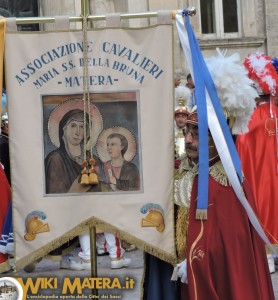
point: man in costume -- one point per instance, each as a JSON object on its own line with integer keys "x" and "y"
{"x": 221, "y": 254}
{"x": 224, "y": 256}
{"x": 258, "y": 147}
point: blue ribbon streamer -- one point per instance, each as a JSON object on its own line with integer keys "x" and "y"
{"x": 204, "y": 81}
{"x": 200, "y": 93}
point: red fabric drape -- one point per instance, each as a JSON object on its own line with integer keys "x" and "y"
{"x": 226, "y": 258}
{"x": 5, "y": 196}
{"x": 257, "y": 150}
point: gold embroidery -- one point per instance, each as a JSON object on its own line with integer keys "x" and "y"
{"x": 181, "y": 231}
{"x": 196, "y": 254}
{"x": 183, "y": 183}
{"x": 270, "y": 126}
{"x": 218, "y": 173}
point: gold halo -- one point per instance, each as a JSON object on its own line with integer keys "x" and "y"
{"x": 70, "y": 104}
{"x": 102, "y": 139}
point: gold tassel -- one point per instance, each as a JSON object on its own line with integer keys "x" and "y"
{"x": 201, "y": 214}
{"x": 84, "y": 172}
{"x": 93, "y": 179}
{"x": 85, "y": 179}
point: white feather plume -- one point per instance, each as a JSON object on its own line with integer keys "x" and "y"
{"x": 182, "y": 92}
{"x": 234, "y": 88}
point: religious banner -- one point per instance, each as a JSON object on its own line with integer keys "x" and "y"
{"x": 91, "y": 137}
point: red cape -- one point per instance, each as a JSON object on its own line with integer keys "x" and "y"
{"x": 257, "y": 151}
{"x": 226, "y": 259}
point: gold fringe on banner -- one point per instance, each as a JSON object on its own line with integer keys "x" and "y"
{"x": 101, "y": 226}
{"x": 2, "y": 45}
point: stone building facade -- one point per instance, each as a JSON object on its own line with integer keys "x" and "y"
{"x": 257, "y": 28}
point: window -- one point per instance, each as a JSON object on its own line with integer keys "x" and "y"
{"x": 230, "y": 16}
{"x": 219, "y": 17}
{"x": 208, "y": 16}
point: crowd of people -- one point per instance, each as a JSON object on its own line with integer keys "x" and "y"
{"x": 221, "y": 255}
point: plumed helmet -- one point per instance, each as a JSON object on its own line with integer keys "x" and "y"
{"x": 182, "y": 97}
{"x": 154, "y": 219}
{"x": 182, "y": 109}
{"x": 261, "y": 69}
{"x": 34, "y": 226}
{"x": 236, "y": 93}
{"x": 193, "y": 116}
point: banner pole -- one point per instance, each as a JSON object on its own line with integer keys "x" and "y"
{"x": 84, "y": 7}
{"x": 92, "y": 229}
{"x": 150, "y": 14}
{"x": 93, "y": 254}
